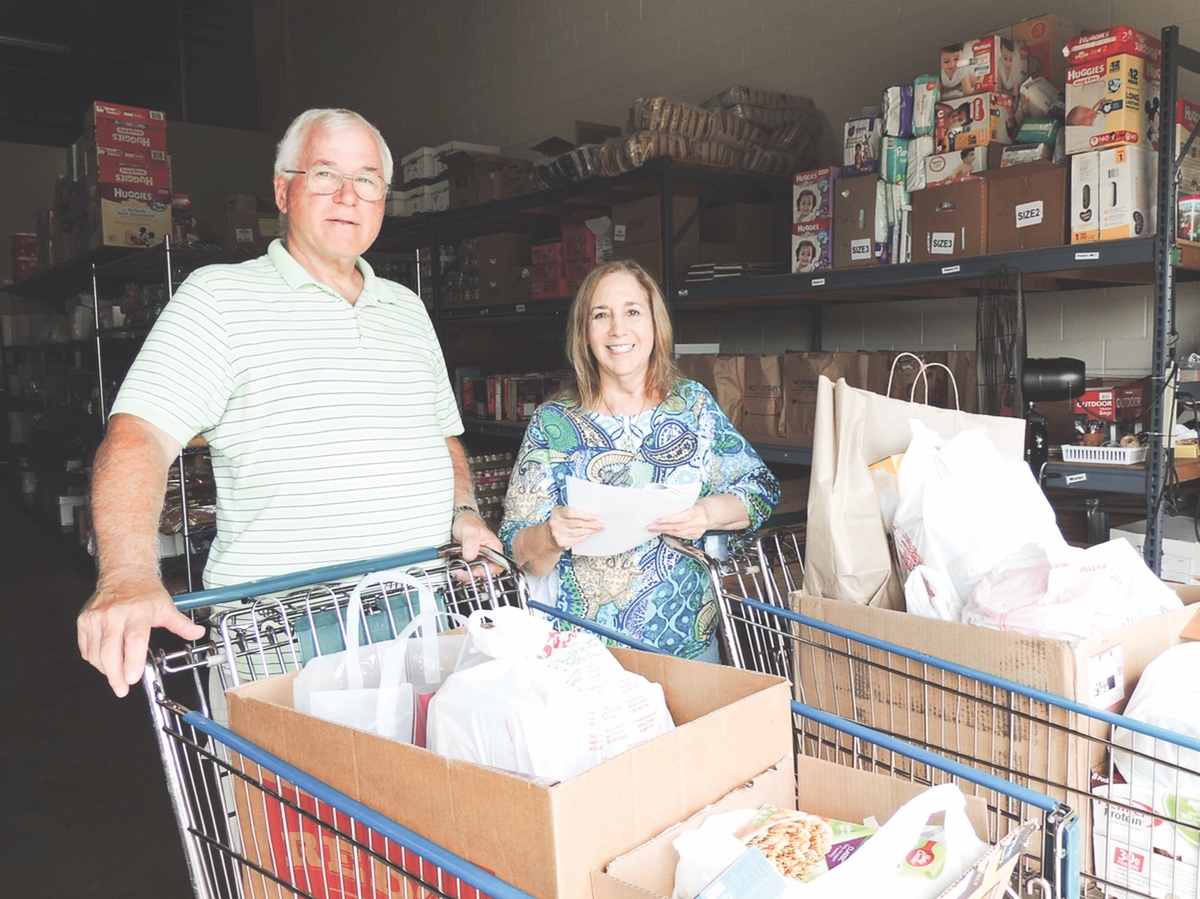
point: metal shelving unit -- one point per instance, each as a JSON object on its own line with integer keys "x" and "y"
{"x": 1152, "y": 260}
{"x": 538, "y": 214}
{"x": 103, "y": 267}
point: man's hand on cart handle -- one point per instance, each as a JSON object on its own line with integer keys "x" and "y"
{"x": 470, "y": 532}
{"x": 114, "y": 627}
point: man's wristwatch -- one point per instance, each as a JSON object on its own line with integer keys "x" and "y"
{"x": 458, "y": 510}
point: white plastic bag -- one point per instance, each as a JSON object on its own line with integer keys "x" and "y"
{"x": 963, "y": 507}
{"x": 545, "y": 703}
{"x": 707, "y": 851}
{"x": 1167, "y": 696}
{"x": 374, "y": 688}
{"x": 1069, "y": 593}
{"x": 874, "y": 869}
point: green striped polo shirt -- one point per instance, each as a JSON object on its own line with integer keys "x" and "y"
{"x": 327, "y": 421}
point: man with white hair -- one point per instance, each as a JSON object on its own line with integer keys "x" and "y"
{"x": 320, "y": 388}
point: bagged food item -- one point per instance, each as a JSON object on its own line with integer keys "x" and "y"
{"x": 542, "y": 702}
{"x": 1167, "y": 696}
{"x": 381, "y": 688}
{"x": 824, "y": 858}
{"x": 1069, "y": 593}
{"x": 963, "y": 507}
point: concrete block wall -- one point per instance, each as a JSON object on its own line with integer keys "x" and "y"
{"x": 514, "y": 72}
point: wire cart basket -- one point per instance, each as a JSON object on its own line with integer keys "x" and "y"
{"x": 1136, "y": 843}
{"x": 254, "y": 826}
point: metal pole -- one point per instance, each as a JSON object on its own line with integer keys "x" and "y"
{"x": 1164, "y": 299}
{"x": 99, "y": 355}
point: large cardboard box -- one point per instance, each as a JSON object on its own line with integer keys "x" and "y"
{"x": 854, "y": 222}
{"x": 739, "y": 223}
{"x": 1027, "y": 207}
{"x": 500, "y": 252}
{"x": 1099, "y": 672}
{"x": 1044, "y": 38}
{"x": 545, "y": 838}
{"x": 820, "y": 787}
{"x": 236, "y": 229}
{"x": 640, "y": 221}
{"x": 649, "y": 255}
{"x": 950, "y": 220}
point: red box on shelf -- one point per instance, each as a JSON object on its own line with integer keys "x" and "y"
{"x": 1112, "y": 404}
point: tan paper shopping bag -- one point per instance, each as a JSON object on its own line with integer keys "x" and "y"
{"x": 847, "y": 551}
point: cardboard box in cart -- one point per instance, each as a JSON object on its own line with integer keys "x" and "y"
{"x": 824, "y": 788}
{"x": 544, "y": 838}
{"x": 1100, "y": 672}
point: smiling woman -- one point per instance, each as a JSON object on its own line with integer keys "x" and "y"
{"x": 629, "y": 419}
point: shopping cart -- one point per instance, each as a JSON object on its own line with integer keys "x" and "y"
{"x": 253, "y": 826}
{"x": 1023, "y": 736}
{"x": 1048, "y": 867}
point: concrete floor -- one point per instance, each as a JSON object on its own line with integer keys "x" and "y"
{"x": 83, "y": 803}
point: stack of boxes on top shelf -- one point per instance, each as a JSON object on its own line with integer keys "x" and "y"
{"x": 118, "y": 186}
{"x": 560, "y": 266}
{"x": 457, "y": 174}
{"x": 912, "y": 185}
{"x": 991, "y": 183}
{"x": 1112, "y": 133}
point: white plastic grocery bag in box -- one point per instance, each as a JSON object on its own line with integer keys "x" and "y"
{"x": 378, "y": 688}
{"x": 964, "y": 505}
{"x": 847, "y": 554}
{"x": 542, "y": 702}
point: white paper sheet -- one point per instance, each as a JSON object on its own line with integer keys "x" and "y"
{"x": 626, "y": 511}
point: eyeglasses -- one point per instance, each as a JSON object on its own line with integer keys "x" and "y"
{"x": 323, "y": 181}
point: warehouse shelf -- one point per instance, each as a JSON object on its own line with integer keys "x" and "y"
{"x": 539, "y": 211}
{"x": 1108, "y": 263}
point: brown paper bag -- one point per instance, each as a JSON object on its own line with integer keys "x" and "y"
{"x": 847, "y": 554}
{"x": 724, "y": 376}
{"x": 938, "y": 388}
{"x": 800, "y": 374}
{"x": 762, "y": 401}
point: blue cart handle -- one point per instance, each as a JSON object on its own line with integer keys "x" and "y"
{"x": 296, "y": 580}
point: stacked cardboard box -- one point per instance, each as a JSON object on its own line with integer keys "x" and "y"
{"x": 118, "y": 188}
{"x": 637, "y": 229}
{"x": 1112, "y": 133}
{"x": 813, "y": 201}
{"x": 560, "y": 266}
{"x": 986, "y": 132}
{"x": 425, "y": 175}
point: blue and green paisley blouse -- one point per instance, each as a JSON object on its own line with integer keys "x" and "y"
{"x": 651, "y": 592}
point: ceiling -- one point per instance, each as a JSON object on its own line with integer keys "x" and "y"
{"x": 193, "y": 60}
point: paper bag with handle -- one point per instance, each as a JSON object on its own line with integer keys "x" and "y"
{"x": 847, "y": 552}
